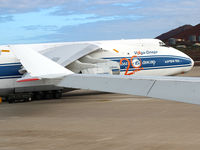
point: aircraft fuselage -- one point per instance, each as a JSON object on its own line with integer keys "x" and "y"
{"x": 133, "y": 57}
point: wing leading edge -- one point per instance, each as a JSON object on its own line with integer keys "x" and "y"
{"x": 182, "y": 89}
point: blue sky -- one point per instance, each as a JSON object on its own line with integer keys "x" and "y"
{"x": 39, "y": 21}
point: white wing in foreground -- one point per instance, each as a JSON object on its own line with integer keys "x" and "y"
{"x": 182, "y": 89}
{"x": 37, "y": 65}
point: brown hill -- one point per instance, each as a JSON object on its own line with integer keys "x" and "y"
{"x": 189, "y": 35}
{"x": 171, "y": 34}
{"x": 194, "y": 31}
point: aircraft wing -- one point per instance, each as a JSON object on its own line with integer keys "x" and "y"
{"x": 69, "y": 52}
{"x": 37, "y": 65}
{"x": 182, "y": 89}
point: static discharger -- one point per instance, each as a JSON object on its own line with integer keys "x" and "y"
{"x": 5, "y": 50}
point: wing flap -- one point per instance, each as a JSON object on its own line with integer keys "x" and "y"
{"x": 38, "y": 65}
{"x": 182, "y": 89}
{"x": 66, "y": 54}
{"x": 186, "y": 91}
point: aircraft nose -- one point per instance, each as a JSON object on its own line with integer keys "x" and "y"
{"x": 191, "y": 64}
{"x": 188, "y": 61}
{"x": 192, "y": 61}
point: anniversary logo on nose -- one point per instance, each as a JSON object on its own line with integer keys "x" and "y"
{"x": 134, "y": 62}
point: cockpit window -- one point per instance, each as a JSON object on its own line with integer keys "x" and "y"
{"x": 162, "y": 44}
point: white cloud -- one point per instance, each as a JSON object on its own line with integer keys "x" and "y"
{"x": 4, "y": 19}
{"x": 93, "y": 19}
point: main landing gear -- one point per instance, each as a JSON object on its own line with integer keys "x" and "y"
{"x": 27, "y": 97}
{"x": 47, "y": 95}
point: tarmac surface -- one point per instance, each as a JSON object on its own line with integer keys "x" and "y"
{"x": 89, "y": 120}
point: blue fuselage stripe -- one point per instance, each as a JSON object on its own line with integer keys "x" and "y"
{"x": 154, "y": 62}
{"x": 10, "y": 70}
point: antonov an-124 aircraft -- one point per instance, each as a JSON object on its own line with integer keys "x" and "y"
{"x": 138, "y": 67}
